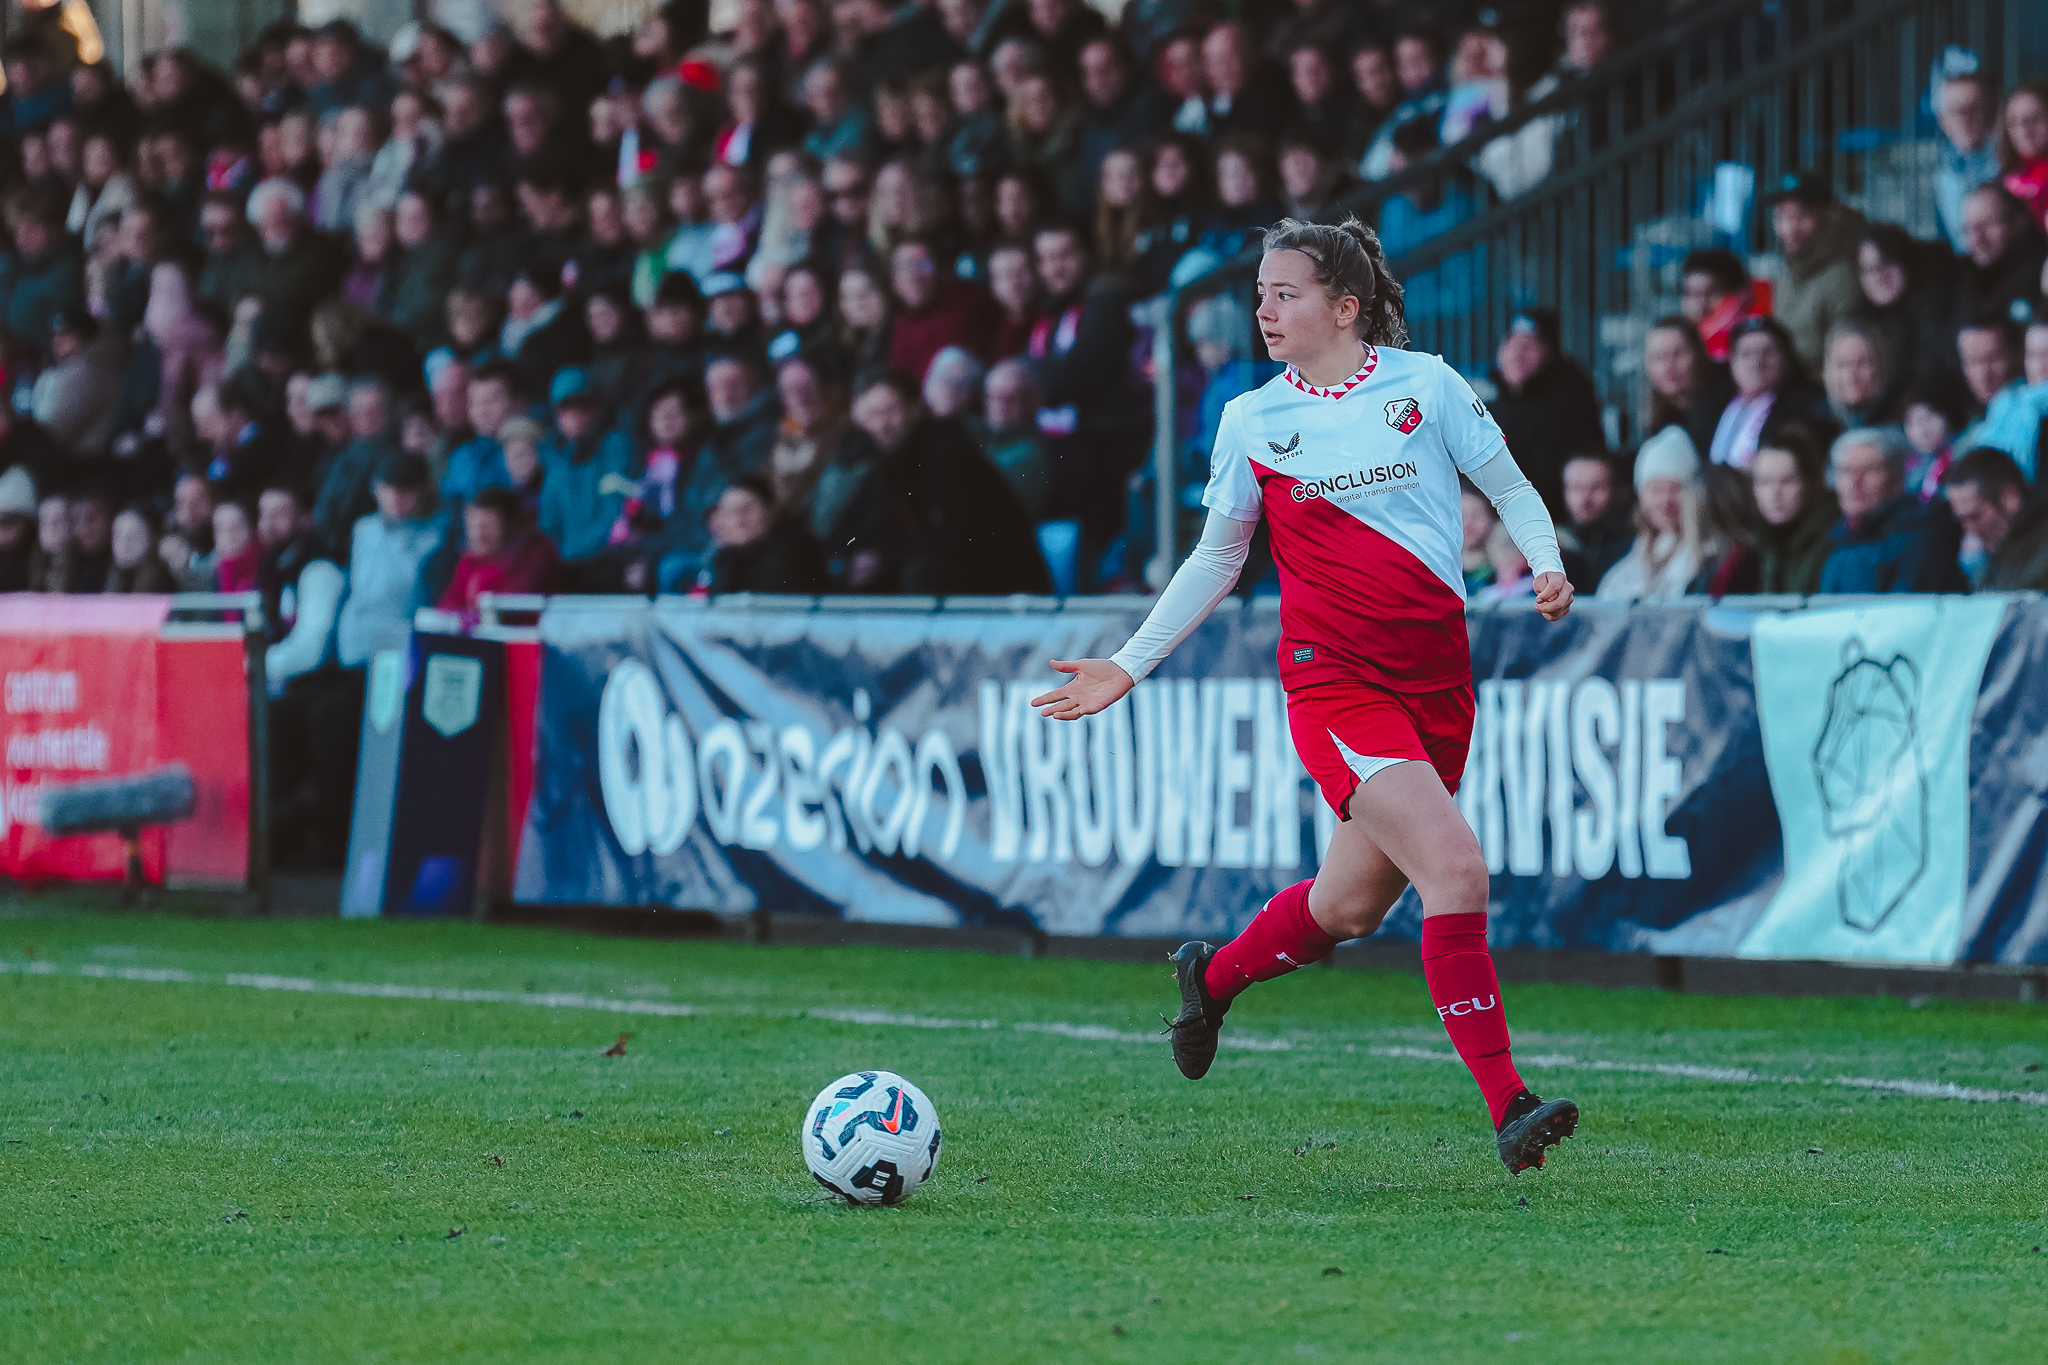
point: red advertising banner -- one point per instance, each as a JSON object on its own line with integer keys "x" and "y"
{"x": 78, "y": 699}
{"x": 202, "y": 721}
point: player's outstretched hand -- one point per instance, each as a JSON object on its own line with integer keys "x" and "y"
{"x": 1553, "y": 595}
{"x": 1096, "y": 683}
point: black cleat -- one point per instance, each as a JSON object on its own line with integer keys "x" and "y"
{"x": 1533, "y": 1123}
{"x": 1201, "y": 1015}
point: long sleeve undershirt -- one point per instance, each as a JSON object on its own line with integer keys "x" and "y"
{"x": 1211, "y": 569}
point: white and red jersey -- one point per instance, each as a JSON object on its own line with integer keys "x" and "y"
{"x": 1359, "y": 487}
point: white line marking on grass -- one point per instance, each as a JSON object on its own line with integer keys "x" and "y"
{"x": 1093, "y": 1033}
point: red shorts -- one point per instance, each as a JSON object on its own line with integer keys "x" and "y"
{"x": 1347, "y": 732}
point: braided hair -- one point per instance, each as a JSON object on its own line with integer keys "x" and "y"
{"x": 1349, "y": 260}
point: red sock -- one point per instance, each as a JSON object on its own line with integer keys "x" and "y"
{"x": 1280, "y": 938}
{"x": 1466, "y": 993}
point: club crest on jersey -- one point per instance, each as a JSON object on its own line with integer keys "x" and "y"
{"x": 1292, "y": 447}
{"x": 1404, "y": 415}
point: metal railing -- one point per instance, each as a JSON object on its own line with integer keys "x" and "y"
{"x": 1836, "y": 87}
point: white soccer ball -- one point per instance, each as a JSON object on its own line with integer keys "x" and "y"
{"x": 871, "y": 1138}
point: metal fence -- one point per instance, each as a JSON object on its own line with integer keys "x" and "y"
{"x": 1669, "y": 147}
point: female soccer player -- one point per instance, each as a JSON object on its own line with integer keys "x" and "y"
{"x": 1353, "y": 457}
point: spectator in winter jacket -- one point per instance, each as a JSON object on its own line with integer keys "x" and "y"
{"x": 2007, "y": 371}
{"x": 588, "y": 471}
{"x": 1080, "y": 353}
{"x": 744, "y": 422}
{"x": 1817, "y": 241}
{"x": 1796, "y": 514}
{"x": 758, "y": 548}
{"x": 301, "y": 265}
{"x": 75, "y": 399}
{"x": 1905, "y": 301}
{"x": 519, "y": 444}
{"x": 1601, "y": 527}
{"x": 136, "y": 568}
{"x": 1992, "y": 502}
{"x": 505, "y": 554}
{"x": 2001, "y": 267}
{"x": 396, "y": 563}
{"x": 497, "y": 392}
{"x": 343, "y": 488}
{"x": 1966, "y": 108}
{"x": 47, "y": 274}
{"x": 1669, "y": 551}
{"x": 1772, "y": 389}
{"x": 2023, "y": 148}
{"x": 302, "y": 587}
{"x": 413, "y": 291}
{"x": 1887, "y": 540}
{"x": 1716, "y": 294}
{"x": 1546, "y": 407}
{"x": 1686, "y": 386}
{"x": 937, "y": 518}
{"x": 934, "y": 310}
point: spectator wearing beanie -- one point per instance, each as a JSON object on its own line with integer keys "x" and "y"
{"x": 1546, "y": 407}
{"x": 1992, "y": 502}
{"x": 1887, "y": 540}
{"x": 1668, "y": 551}
{"x": 396, "y": 561}
{"x": 585, "y": 467}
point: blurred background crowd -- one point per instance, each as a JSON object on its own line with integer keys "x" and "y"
{"x": 846, "y": 297}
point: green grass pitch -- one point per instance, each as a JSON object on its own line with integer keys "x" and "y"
{"x": 213, "y": 1151}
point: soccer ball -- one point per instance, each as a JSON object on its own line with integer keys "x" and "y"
{"x": 871, "y": 1138}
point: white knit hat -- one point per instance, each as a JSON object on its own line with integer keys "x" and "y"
{"x": 1670, "y": 454}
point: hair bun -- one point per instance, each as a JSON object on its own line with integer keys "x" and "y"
{"x": 1349, "y": 260}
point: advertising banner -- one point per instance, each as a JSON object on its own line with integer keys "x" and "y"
{"x": 1640, "y": 779}
{"x": 78, "y": 699}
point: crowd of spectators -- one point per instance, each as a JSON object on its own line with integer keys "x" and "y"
{"x": 1868, "y": 417}
{"x": 849, "y": 299}
{"x": 839, "y": 300}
